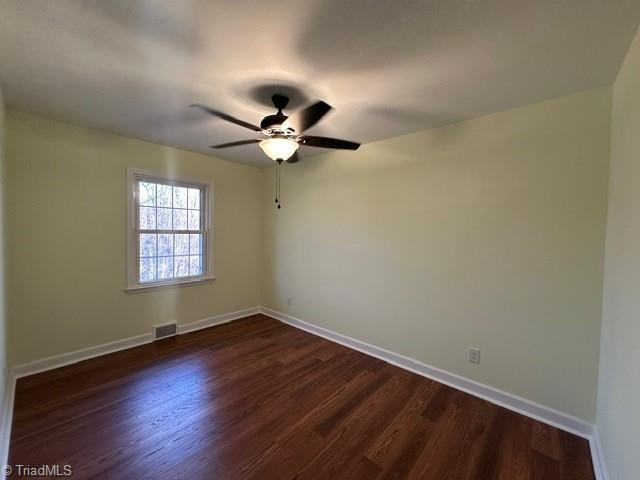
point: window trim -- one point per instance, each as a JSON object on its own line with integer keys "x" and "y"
{"x": 132, "y": 266}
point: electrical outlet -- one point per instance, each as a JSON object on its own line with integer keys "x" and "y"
{"x": 474, "y": 355}
{"x": 289, "y": 301}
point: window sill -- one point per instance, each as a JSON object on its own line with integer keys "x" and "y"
{"x": 163, "y": 286}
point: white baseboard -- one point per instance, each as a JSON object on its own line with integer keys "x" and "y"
{"x": 7, "y": 419}
{"x": 64, "y": 359}
{"x": 518, "y": 404}
{"x": 507, "y": 400}
{"x": 56, "y": 361}
{"x": 561, "y": 420}
{"x": 216, "y": 320}
{"x": 597, "y": 456}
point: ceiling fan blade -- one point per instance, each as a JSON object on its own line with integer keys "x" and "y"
{"x": 294, "y": 158}
{"x": 235, "y": 144}
{"x": 226, "y": 117}
{"x": 326, "y": 142}
{"x": 308, "y": 117}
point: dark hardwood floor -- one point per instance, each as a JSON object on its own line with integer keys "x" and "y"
{"x": 259, "y": 399}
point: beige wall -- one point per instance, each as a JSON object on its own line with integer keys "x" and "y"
{"x": 486, "y": 233}
{"x": 618, "y": 417}
{"x": 66, "y": 200}
{"x": 3, "y": 329}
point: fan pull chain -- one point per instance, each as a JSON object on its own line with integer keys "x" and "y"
{"x": 278, "y": 184}
{"x": 277, "y": 175}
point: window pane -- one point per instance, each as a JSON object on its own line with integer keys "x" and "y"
{"x": 147, "y": 193}
{"x": 195, "y": 242}
{"x": 147, "y": 269}
{"x": 179, "y": 197}
{"x": 165, "y": 244}
{"x": 165, "y": 268}
{"x": 182, "y": 244}
{"x": 165, "y": 193}
{"x": 194, "y": 219}
{"x": 195, "y": 265}
{"x": 179, "y": 219}
{"x": 165, "y": 257}
{"x": 147, "y": 245}
{"x": 147, "y": 218}
{"x": 194, "y": 198}
{"x": 164, "y": 219}
{"x": 181, "y": 265}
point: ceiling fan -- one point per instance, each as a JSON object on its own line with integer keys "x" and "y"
{"x": 284, "y": 133}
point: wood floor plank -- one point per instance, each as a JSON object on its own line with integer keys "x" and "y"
{"x": 465, "y": 464}
{"x": 302, "y": 441}
{"x": 407, "y": 420}
{"x": 403, "y": 457}
{"x": 575, "y": 458}
{"x": 446, "y": 443}
{"x": 341, "y": 456}
{"x": 516, "y": 455}
{"x": 544, "y": 439}
{"x": 257, "y": 399}
{"x": 544, "y": 467}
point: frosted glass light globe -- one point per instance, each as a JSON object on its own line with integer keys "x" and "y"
{"x": 278, "y": 148}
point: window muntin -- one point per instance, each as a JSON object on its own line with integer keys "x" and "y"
{"x": 170, "y": 231}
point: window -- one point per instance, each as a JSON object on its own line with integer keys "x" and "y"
{"x": 169, "y": 231}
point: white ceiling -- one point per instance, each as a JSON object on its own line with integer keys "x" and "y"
{"x": 388, "y": 67}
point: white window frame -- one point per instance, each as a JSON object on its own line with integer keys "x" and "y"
{"x": 133, "y": 262}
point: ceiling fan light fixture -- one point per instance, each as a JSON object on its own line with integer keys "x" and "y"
{"x": 279, "y": 148}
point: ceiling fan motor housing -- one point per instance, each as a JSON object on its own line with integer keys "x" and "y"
{"x": 272, "y": 123}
